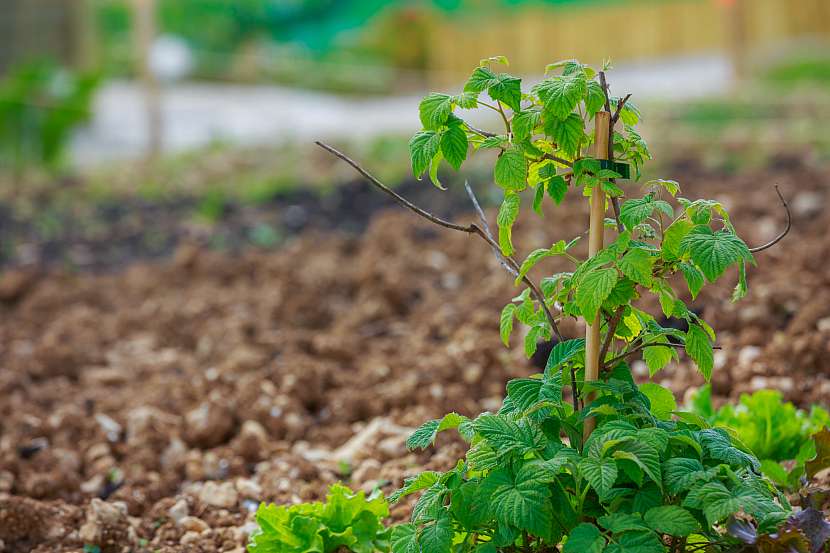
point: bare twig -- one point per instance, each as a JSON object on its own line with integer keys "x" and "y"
{"x": 620, "y": 104}
{"x": 472, "y": 228}
{"x": 485, "y": 134}
{"x": 558, "y": 159}
{"x": 786, "y": 231}
{"x": 615, "y": 202}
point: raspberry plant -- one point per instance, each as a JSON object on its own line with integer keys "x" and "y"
{"x": 618, "y": 468}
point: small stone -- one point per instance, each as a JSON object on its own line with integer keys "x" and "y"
{"x": 248, "y": 488}
{"x": 748, "y": 354}
{"x": 107, "y": 526}
{"x": 193, "y": 524}
{"x": 189, "y": 538}
{"x": 253, "y": 440}
{"x": 178, "y": 511}
{"x": 219, "y": 495}
{"x": 209, "y": 425}
{"x": 823, "y": 325}
{"x": 110, "y": 427}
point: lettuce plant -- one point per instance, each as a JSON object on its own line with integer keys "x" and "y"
{"x": 584, "y": 461}
{"x": 346, "y": 521}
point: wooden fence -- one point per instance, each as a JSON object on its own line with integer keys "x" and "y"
{"x": 532, "y": 37}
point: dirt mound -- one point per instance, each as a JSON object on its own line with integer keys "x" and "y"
{"x": 152, "y": 409}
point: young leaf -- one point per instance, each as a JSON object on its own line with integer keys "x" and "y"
{"x": 567, "y": 133}
{"x": 562, "y": 94}
{"x": 454, "y": 145}
{"x": 511, "y": 169}
{"x": 524, "y": 122}
{"x": 415, "y": 484}
{"x": 434, "y": 110}
{"x": 699, "y": 348}
{"x": 506, "y": 436}
{"x": 595, "y": 98}
{"x": 594, "y": 287}
{"x": 661, "y": 399}
{"x": 713, "y": 252}
{"x": 506, "y": 322}
{"x": 693, "y": 276}
{"x": 636, "y": 264}
{"x": 508, "y": 212}
{"x": 422, "y": 148}
{"x": 481, "y": 79}
{"x": 508, "y": 90}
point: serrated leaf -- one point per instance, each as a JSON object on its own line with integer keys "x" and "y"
{"x": 505, "y": 435}
{"x": 634, "y": 212}
{"x": 661, "y": 399}
{"x": 481, "y": 79}
{"x": 672, "y": 237}
{"x": 645, "y": 456}
{"x": 671, "y": 520}
{"x": 562, "y": 94}
{"x": 510, "y": 171}
{"x": 454, "y": 145}
{"x": 617, "y": 523}
{"x": 557, "y": 188}
{"x": 566, "y": 133}
{"x": 699, "y": 347}
{"x": 657, "y": 357}
{"x": 562, "y": 353}
{"x": 693, "y": 277}
{"x": 405, "y": 538}
{"x": 434, "y": 110}
{"x": 506, "y": 322}
{"x": 637, "y": 264}
{"x": 531, "y": 260}
{"x": 466, "y": 100}
{"x": 585, "y": 538}
{"x": 520, "y": 499}
{"x": 424, "y": 436}
{"x": 422, "y": 149}
{"x": 524, "y": 122}
{"x": 595, "y": 98}
{"x": 681, "y": 473}
{"x": 508, "y": 90}
{"x": 508, "y": 212}
{"x": 415, "y": 484}
{"x": 714, "y": 252}
{"x": 436, "y": 537}
{"x": 641, "y": 542}
{"x": 593, "y": 289}
{"x": 600, "y": 472}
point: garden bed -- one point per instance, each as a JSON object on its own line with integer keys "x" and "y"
{"x": 198, "y": 386}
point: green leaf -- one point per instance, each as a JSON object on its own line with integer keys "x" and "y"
{"x": 511, "y": 169}
{"x": 600, "y": 472}
{"x": 699, "y": 348}
{"x": 506, "y": 436}
{"x": 585, "y": 538}
{"x": 657, "y": 357}
{"x": 595, "y": 98}
{"x": 508, "y": 212}
{"x": 424, "y": 436}
{"x": 466, "y": 100}
{"x": 672, "y": 520}
{"x": 681, "y": 473}
{"x": 562, "y": 353}
{"x": 617, "y": 523}
{"x": 693, "y": 276}
{"x": 405, "y": 538}
{"x": 672, "y": 237}
{"x": 557, "y": 188}
{"x": 641, "y": 542}
{"x": 532, "y": 259}
{"x": 562, "y": 94}
{"x": 567, "y": 133}
{"x": 633, "y": 212}
{"x": 506, "y": 322}
{"x": 508, "y": 90}
{"x": 422, "y": 148}
{"x": 481, "y": 79}
{"x": 593, "y": 289}
{"x": 454, "y": 145}
{"x": 713, "y": 252}
{"x": 661, "y": 399}
{"x": 434, "y": 110}
{"x": 415, "y": 484}
{"x": 436, "y": 537}
{"x": 637, "y": 264}
{"x": 644, "y": 455}
{"x": 520, "y": 499}
{"x": 524, "y": 122}
{"x": 538, "y": 196}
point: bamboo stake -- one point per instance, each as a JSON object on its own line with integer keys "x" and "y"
{"x": 144, "y": 29}
{"x": 602, "y": 124}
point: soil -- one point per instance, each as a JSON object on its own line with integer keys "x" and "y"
{"x": 152, "y": 408}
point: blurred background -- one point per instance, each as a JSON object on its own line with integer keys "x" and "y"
{"x": 225, "y": 97}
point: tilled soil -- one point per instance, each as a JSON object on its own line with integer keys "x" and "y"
{"x": 152, "y": 409}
